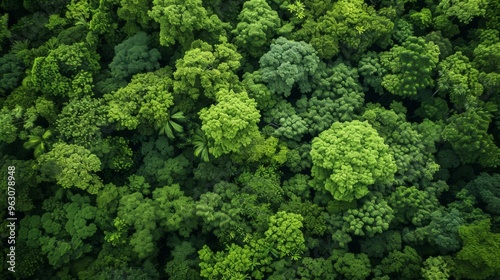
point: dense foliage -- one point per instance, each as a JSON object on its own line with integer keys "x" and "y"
{"x": 251, "y": 139}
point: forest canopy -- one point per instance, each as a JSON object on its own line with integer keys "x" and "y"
{"x": 250, "y": 139}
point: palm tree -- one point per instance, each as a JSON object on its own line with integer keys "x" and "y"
{"x": 200, "y": 143}
{"x": 171, "y": 125}
{"x": 38, "y": 143}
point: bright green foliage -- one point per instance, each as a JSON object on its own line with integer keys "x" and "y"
{"x": 10, "y": 72}
{"x": 231, "y": 124}
{"x": 403, "y": 264}
{"x": 38, "y": 142}
{"x": 422, "y": 19}
{"x": 180, "y": 19}
{"x": 353, "y": 266}
{"x": 145, "y": 100}
{"x": 285, "y": 235}
{"x": 486, "y": 187}
{"x": 133, "y": 56}
{"x": 409, "y": 66}
{"x": 374, "y": 216}
{"x": 480, "y": 254}
{"x": 79, "y": 11}
{"x": 435, "y": 268}
{"x": 287, "y": 64}
{"x": 465, "y": 11}
{"x": 459, "y": 79}
{"x": 352, "y": 24}
{"x": 349, "y": 157}
{"x": 103, "y": 22}
{"x": 257, "y": 25}
{"x": 81, "y": 120}
{"x": 337, "y": 97}
{"x": 8, "y": 120}
{"x": 71, "y": 166}
{"x": 207, "y": 69}
{"x": 468, "y": 135}
{"x": 66, "y": 71}
{"x": 200, "y": 143}
{"x": 358, "y": 24}
{"x": 409, "y": 147}
{"x": 371, "y": 70}
{"x": 412, "y": 205}
{"x": 235, "y": 264}
{"x": 297, "y": 9}
{"x": 171, "y": 125}
{"x": 135, "y": 13}
{"x": 282, "y": 239}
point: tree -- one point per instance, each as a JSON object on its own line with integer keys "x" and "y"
{"x": 404, "y": 264}
{"x": 60, "y": 232}
{"x": 135, "y": 13}
{"x": 206, "y": 69}
{"x": 337, "y": 96}
{"x": 145, "y": 100}
{"x": 66, "y": 71}
{"x": 480, "y": 254}
{"x": 286, "y": 122}
{"x": 486, "y": 187}
{"x": 465, "y": 11}
{"x": 11, "y": 71}
{"x": 435, "y": 268}
{"x": 71, "y": 166}
{"x": 349, "y": 157}
{"x": 179, "y": 20}
{"x": 133, "y": 56}
{"x": 349, "y": 25}
{"x": 374, "y": 216}
{"x": 409, "y": 66}
{"x": 412, "y": 205}
{"x": 38, "y": 142}
{"x": 459, "y": 79}
{"x": 353, "y": 266}
{"x": 257, "y": 25}
{"x": 288, "y": 63}
{"x": 81, "y": 120}
{"x": 468, "y": 135}
{"x": 231, "y": 124}
{"x": 411, "y": 148}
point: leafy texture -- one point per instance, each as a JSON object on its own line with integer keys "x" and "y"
{"x": 349, "y": 157}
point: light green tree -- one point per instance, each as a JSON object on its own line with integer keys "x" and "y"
{"x": 348, "y": 157}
